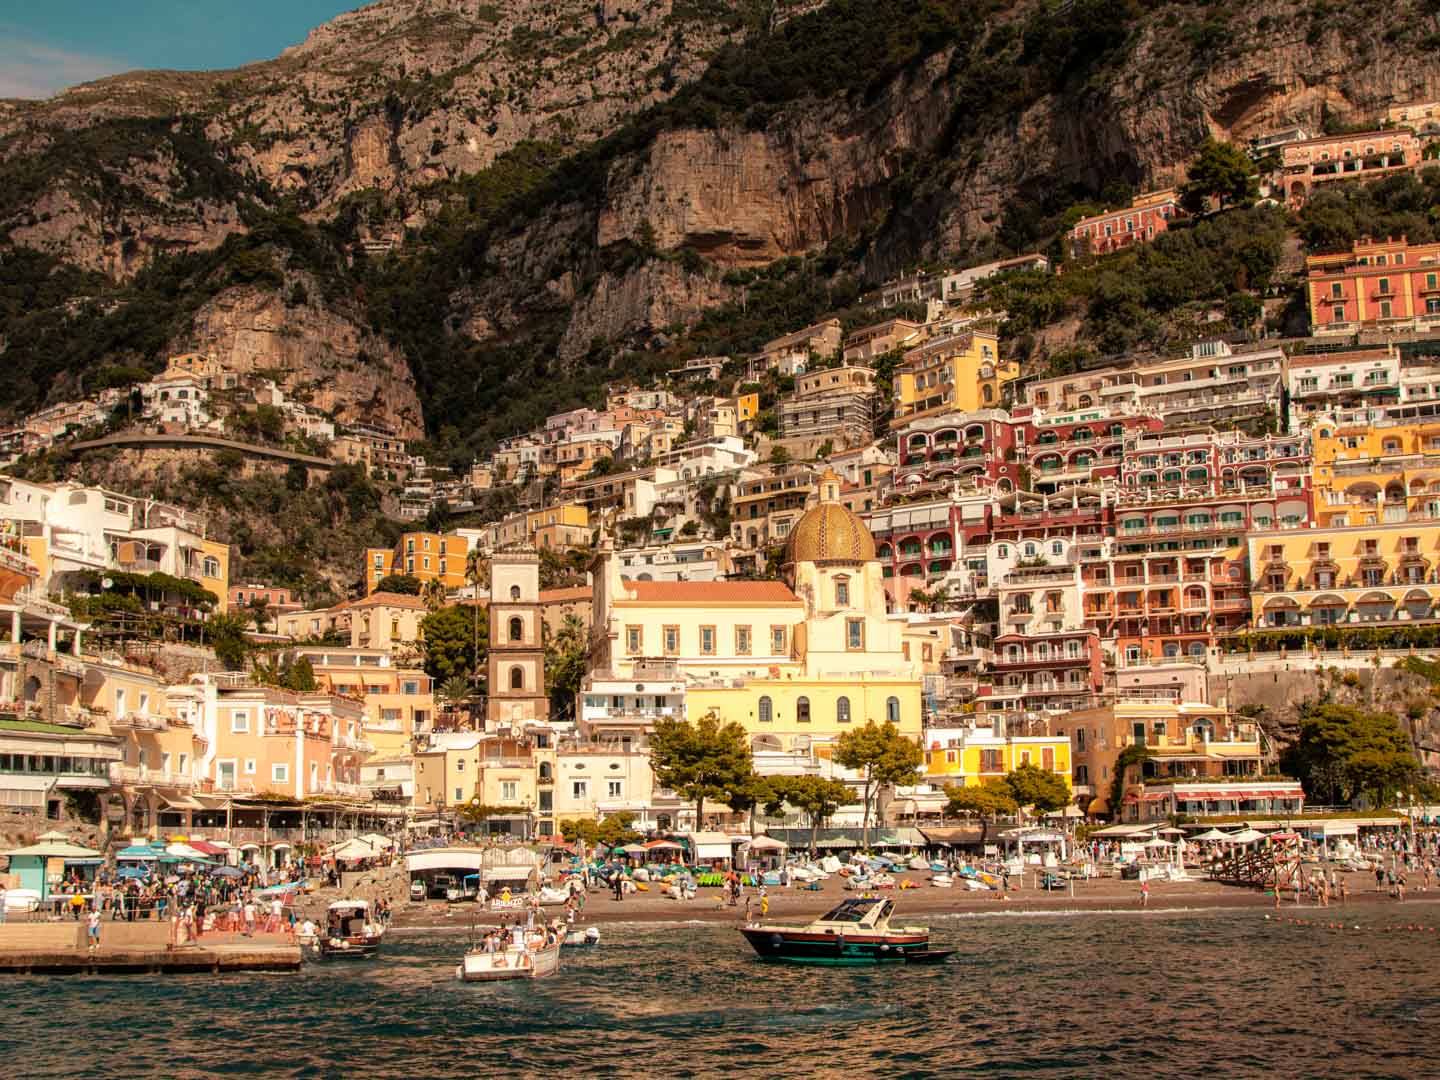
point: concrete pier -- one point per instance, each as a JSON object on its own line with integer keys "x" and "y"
{"x": 59, "y": 948}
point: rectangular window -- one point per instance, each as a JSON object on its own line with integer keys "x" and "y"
{"x": 509, "y": 791}
{"x": 842, "y": 594}
{"x": 239, "y": 722}
{"x": 614, "y": 789}
{"x": 855, "y": 635}
{"x": 778, "y": 637}
{"x": 742, "y": 641}
{"x": 279, "y": 774}
{"x": 671, "y": 635}
{"x": 250, "y": 766}
{"x": 1047, "y": 758}
{"x": 990, "y": 761}
{"x": 579, "y": 789}
{"x": 707, "y": 641}
{"x": 634, "y": 640}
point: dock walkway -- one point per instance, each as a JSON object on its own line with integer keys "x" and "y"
{"x": 58, "y": 948}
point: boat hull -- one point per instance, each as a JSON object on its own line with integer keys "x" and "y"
{"x": 510, "y": 964}
{"x": 808, "y": 947}
{"x": 350, "y": 949}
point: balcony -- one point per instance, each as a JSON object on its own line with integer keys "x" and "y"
{"x": 140, "y": 776}
{"x": 349, "y": 742}
{"x": 132, "y": 721}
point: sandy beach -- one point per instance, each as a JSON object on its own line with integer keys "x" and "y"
{"x": 1101, "y": 894}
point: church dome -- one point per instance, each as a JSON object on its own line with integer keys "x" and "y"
{"x": 829, "y": 533}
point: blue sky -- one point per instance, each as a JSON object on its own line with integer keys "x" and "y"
{"x": 47, "y": 45}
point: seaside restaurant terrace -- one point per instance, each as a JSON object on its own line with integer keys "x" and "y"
{"x": 1157, "y": 800}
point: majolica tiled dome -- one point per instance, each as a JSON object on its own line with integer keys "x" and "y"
{"x": 829, "y": 533}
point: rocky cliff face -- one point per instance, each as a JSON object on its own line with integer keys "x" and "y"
{"x": 360, "y": 123}
{"x": 318, "y": 355}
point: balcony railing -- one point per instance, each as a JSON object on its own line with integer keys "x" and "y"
{"x": 139, "y": 722}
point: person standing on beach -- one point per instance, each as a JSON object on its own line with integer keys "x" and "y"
{"x": 1144, "y": 894}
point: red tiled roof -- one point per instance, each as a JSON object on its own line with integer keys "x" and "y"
{"x": 712, "y": 592}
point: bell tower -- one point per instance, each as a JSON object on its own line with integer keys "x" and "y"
{"x": 516, "y": 663}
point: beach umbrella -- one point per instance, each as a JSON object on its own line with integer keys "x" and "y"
{"x": 1211, "y": 834}
{"x": 55, "y": 835}
{"x": 1246, "y": 836}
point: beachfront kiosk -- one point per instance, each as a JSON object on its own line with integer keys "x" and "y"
{"x": 41, "y": 863}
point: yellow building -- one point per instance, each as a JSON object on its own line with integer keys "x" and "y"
{"x": 1369, "y": 471}
{"x": 966, "y": 757}
{"x": 796, "y": 662}
{"x": 959, "y": 373}
{"x": 423, "y": 555}
{"x": 1379, "y": 573}
{"x": 398, "y": 700}
{"x": 460, "y": 768}
{"x": 561, "y": 526}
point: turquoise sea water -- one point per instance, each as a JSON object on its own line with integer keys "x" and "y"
{"x": 1093, "y": 995}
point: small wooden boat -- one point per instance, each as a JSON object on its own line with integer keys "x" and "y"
{"x": 590, "y": 935}
{"x": 857, "y": 931}
{"x": 529, "y": 957}
{"x": 348, "y": 932}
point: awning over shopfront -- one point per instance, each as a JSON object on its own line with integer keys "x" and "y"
{"x": 184, "y": 802}
{"x": 954, "y": 835}
{"x": 710, "y": 845}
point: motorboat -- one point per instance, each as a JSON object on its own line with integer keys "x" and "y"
{"x": 349, "y": 932}
{"x": 531, "y": 954}
{"x": 589, "y": 935}
{"x": 856, "y": 931}
{"x": 942, "y": 881}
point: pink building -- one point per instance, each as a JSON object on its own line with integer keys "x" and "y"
{"x": 1358, "y": 156}
{"x": 1140, "y": 222}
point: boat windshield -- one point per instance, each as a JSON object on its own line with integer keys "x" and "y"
{"x": 851, "y": 910}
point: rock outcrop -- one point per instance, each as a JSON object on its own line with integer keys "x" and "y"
{"x": 318, "y": 355}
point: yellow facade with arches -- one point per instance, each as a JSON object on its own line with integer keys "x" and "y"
{"x": 1370, "y": 472}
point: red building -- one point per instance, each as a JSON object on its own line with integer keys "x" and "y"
{"x": 1140, "y": 222}
{"x": 935, "y": 451}
{"x": 1045, "y": 672}
{"x": 280, "y": 601}
{"x": 1063, "y": 451}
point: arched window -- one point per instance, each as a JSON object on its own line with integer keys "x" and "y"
{"x": 892, "y": 710}
{"x": 842, "y": 710}
{"x": 545, "y": 771}
{"x": 514, "y": 592}
{"x": 802, "y": 710}
{"x": 517, "y": 628}
{"x": 517, "y": 678}
{"x": 767, "y": 712}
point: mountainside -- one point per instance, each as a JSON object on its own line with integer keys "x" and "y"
{"x": 570, "y": 186}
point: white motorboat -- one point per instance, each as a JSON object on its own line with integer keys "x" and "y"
{"x": 942, "y": 881}
{"x": 348, "y": 932}
{"x": 524, "y": 956}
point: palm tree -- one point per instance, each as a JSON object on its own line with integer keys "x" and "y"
{"x": 477, "y": 572}
{"x": 453, "y": 690}
{"x": 433, "y": 593}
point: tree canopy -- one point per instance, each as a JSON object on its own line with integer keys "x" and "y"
{"x": 613, "y": 829}
{"x": 408, "y": 584}
{"x": 450, "y": 643}
{"x": 706, "y": 759}
{"x": 227, "y": 638}
{"x": 1221, "y": 171}
{"x": 1346, "y": 754}
{"x": 816, "y": 797}
{"x": 1039, "y": 788}
{"x": 986, "y": 800}
{"x": 882, "y": 755}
